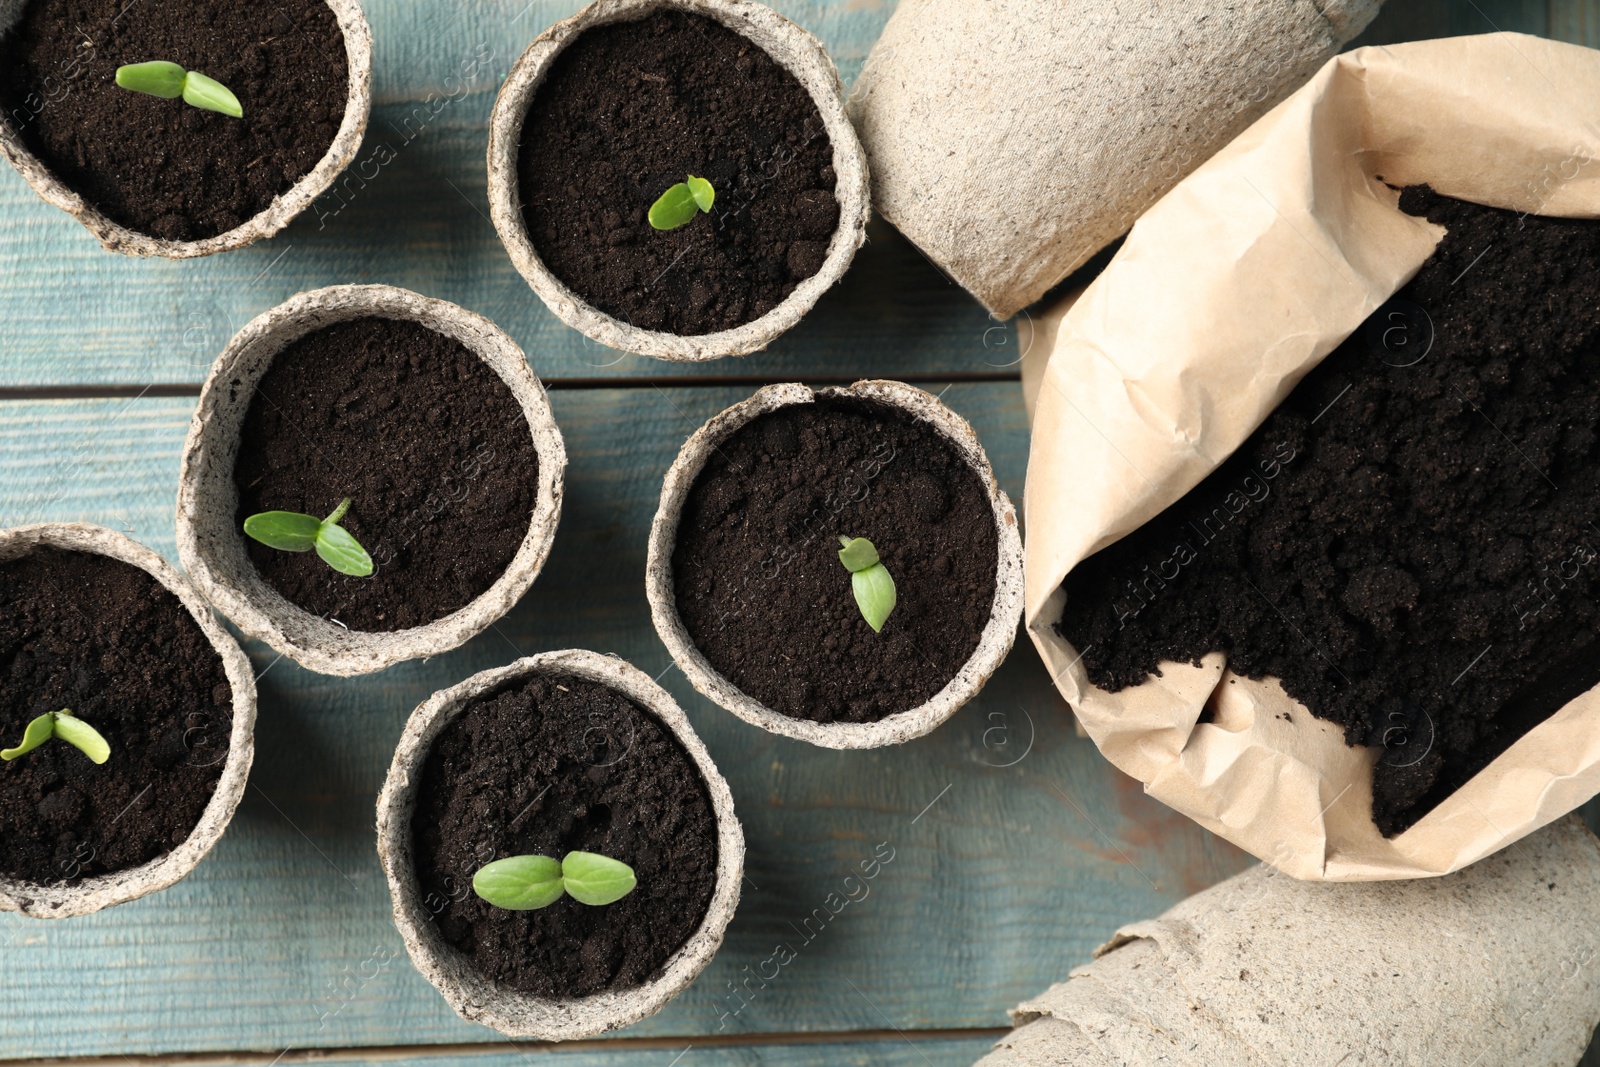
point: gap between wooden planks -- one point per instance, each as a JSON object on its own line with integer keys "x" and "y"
{"x": 487, "y": 1048}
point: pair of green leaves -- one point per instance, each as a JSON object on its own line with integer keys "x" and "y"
{"x": 678, "y": 204}
{"x": 170, "y": 81}
{"x": 525, "y": 883}
{"x": 294, "y": 532}
{"x": 63, "y": 724}
{"x": 869, "y": 579}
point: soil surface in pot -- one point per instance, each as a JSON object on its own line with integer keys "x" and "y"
{"x": 1408, "y": 542}
{"x": 630, "y": 109}
{"x": 427, "y": 441}
{"x": 106, "y": 641}
{"x": 549, "y": 765}
{"x": 756, "y": 569}
{"x": 162, "y": 167}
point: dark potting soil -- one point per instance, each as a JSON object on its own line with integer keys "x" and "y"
{"x": 162, "y": 167}
{"x": 550, "y": 765}
{"x": 757, "y": 576}
{"x": 104, "y": 640}
{"x": 427, "y": 441}
{"x": 1409, "y": 541}
{"x": 632, "y": 108}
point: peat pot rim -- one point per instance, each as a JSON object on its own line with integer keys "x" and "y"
{"x": 993, "y": 644}
{"x": 787, "y": 44}
{"x": 479, "y": 999}
{"x": 275, "y": 216}
{"x": 119, "y": 887}
{"x": 212, "y": 546}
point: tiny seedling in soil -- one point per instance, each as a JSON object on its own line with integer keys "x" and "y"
{"x": 63, "y": 724}
{"x": 678, "y": 204}
{"x": 526, "y": 883}
{"x": 294, "y": 532}
{"x": 870, "y": 579}
{"x": 170, "y": 81}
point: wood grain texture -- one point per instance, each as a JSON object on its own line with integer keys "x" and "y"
{"x": 1577, "y": 21}
{"x": 1416, "y": 20}
{"x": 890, "y": 1048}
{"x": 282, "y": 937}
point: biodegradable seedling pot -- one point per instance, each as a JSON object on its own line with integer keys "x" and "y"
{"x": 474, "y": 996}
{"x": 278, "y": 214}
{"x": 1262, "y": 969}
{"x": 1009, "y": 164}
{"x": 102, "y": 891}
{"x": 801, "y": 54}
{"x": 212, "y": 544}
{"x": 994, "y": 641}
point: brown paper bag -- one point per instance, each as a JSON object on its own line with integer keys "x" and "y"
{"x": 1492, "y": 967}
{"x": 1226, "y": 293}
{"x": 1010, "y": 140}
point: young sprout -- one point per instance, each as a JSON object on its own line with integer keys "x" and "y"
{"x": 294, "y": 532}
{"x": 63, "y": 724}
{"x": 678, "y": 204}
{"x": 869, "y": 579}
{"x": 526, "y": 883}
{"x": 169, "y": 81}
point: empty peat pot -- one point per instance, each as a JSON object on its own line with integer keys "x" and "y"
{"x": 96, "y": 625}
{"x": 150, "y": 176}
{"x": 609, "y": 109}
{"x": 746, "y": 585}
{"x": 427, "y": 419}
{"x": 560, "y": 752}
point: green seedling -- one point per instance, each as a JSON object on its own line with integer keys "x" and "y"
{"x": 170, "y": 81}
{"x": 678, "y": 204}
{"x": 294, "y": 532}
{"x": 526, "y": 883}
{"x": 870, "y": 580}
{"x": 63, "y": 724}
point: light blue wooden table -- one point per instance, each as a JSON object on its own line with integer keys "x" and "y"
{"x": 1017, "y": 848}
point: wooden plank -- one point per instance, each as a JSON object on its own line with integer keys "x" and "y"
{"x": 883, "y": 1049}
{"x": 1417, "y": 20}
{"x": 1003, "y": 877}
{"x": 1577, "y": 21}
{"x": 912, "y": 1050}
{"x": 422, "y": 222}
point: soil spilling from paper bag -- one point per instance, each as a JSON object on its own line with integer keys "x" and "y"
{"x": 546, "y": 766}
{"x": 632, "y": 108}
{"x": 1409, "y": 542}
